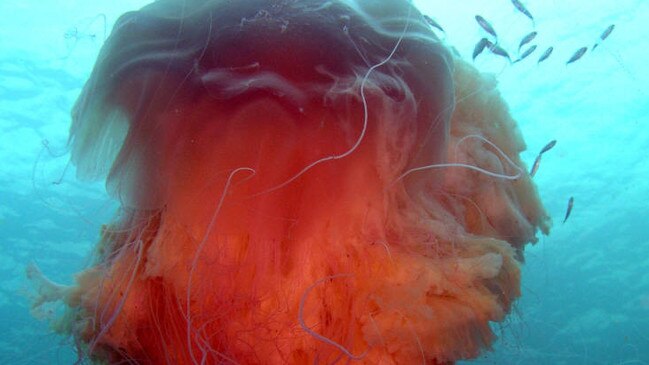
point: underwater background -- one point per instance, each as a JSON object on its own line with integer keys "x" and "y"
{"x": 585, "y": 286}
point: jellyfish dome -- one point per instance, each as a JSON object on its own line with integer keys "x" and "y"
{"x": 299, "y": 182}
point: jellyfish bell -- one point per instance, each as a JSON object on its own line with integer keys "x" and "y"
{"x": 231, "y": 56}
{"x": 296, "y": 185}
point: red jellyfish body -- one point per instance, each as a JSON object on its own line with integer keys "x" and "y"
{"x": 300, "y": 182}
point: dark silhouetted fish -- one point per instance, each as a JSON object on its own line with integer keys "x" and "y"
{"x": 577, "y": 55}
{"x": 522, "y": 9}
{"x": 526, "y": 53}
{"x": 548, "y": 146}
{"x": 485, "y": 25}
{"x": 545, "y": 55}
{"x": 527, "y": 39}
{"x": 433, "y": 23}
{"x": 571, "y": 202}
{"x": 537, "y": 162}
{"x": 479, "y": 47}
{"x": 535, "y": 167}
{"x": 605, "y": 34}
{"x": 497, "y": 50}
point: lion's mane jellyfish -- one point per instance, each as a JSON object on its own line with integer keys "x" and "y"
{"x": 300, "y": 182}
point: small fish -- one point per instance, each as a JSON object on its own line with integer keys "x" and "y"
{"x": 535, "y": 167}
{"x": 485, "y": 25}
{"x": 433, "y": 23}
{"x": 479, "y": 47}
{"x": 537, "y": 162}
{"x": 497, "y": 50}
{"x": 527, "y": 39}
{"x": 545, "y": 55}
{"x": 522, "y": 9}
{"x": 605, "y": 34}
{"x": 571, "y": 201}
{"x": 577, "y": 55}
{"x": 548, "y": 146}
{"x": 526, "y": 53}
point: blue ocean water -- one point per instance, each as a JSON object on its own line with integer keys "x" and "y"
{"x": 585, "y": 287}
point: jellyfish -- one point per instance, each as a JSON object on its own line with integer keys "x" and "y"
{"x": 299, "y": 182}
